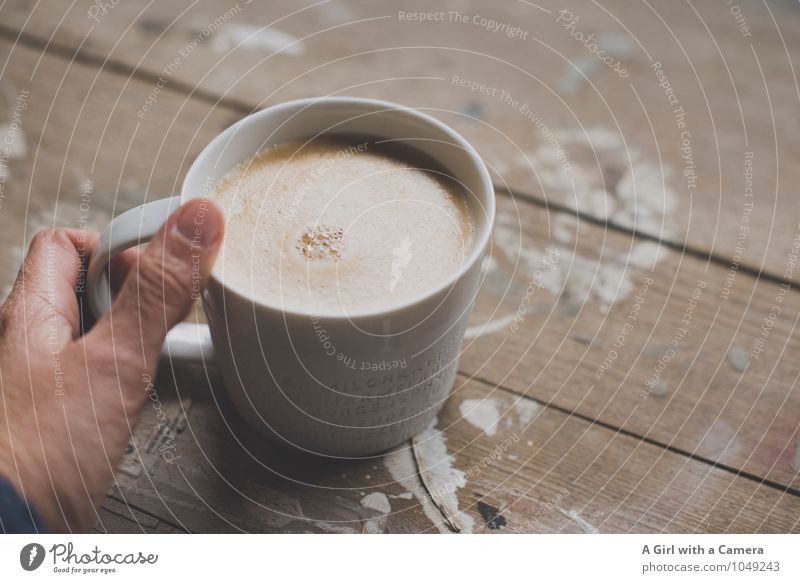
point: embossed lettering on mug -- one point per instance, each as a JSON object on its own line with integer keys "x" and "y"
{"x": 337, "y": 225}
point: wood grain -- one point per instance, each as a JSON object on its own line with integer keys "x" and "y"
{"x": 121, "y": 518}
{"x": 81, "y": 123}
{"x": 541, "y": 469}
{"x": 745, "y": 419}
{"x": 88, "y": 156}
{"x": 621, "y": 135}
{"x": 687, "y": 353}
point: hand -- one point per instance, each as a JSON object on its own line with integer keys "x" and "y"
{"x": 69, "y": 403}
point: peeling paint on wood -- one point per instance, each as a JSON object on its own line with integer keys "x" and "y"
{"x": 441, "y": 480}
{"x": 584, "y": 525}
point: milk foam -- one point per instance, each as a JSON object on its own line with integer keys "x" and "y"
{"x": 337, "y": 226}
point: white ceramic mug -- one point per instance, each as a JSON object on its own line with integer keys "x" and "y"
{"x": 374, "y": 377}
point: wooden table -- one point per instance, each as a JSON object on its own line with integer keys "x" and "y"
{"x": 651, "y": 385}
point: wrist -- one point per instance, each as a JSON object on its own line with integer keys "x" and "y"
{"x": 18, "y": 515}
{"x": 27, "y": 475}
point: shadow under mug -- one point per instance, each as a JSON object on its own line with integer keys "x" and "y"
{"x": 335, "y": 384}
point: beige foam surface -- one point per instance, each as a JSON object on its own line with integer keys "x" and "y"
{"x": 334, "y": 226}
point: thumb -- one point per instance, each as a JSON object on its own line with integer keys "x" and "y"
{"x": 167, "y": 277}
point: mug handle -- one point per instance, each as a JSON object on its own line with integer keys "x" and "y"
{"x": 186, "y": 342}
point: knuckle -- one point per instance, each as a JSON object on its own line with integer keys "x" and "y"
{"x": 61, "y": 236}
{"x": 43, "y": 238}
{"x": 163, "y": 279}
{"x": 53, "y": 240}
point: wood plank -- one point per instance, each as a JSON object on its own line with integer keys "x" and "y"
{"x": 620, "y": 135}
{"x": 84, "y": 155}
{"x": 81, "y": 90}
{"x": 690, "y": 354}
{"x": 494, "y": 458}
{"x": 120, "y": 518}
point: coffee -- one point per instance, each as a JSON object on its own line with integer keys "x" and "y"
{"x": 336, "y": 225}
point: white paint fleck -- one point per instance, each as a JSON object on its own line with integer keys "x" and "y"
{"x": 481, "y": 413}
{"x": 645, "y": 254}
{"x": 254, "y": 37}
{"x": 738, "y": 358}
{"x": 444, "y": 480}
{"x": 579, "y": 520}
{"x": 334, "y": 11}
{"x": 596, "y": 202}
{"x": 624, "y": 187}
{"x": 612, "y": 45}
{"x": 647, "y": 201}
{"x": 374, "y": 526}
{"x": 403, "y": 495}
{"x": 611, "y": 283}
{"x": 658, "y": 389}
{"x": 401, "y": 466}
{"x": 605, "y": 280}
{"x": 616, "y": 45}
{"x": 377, "y": 501}
{"x": 526, "y": 410}
{"x": 575, "y": 72}
{"x": 720, "y": 440}
{"x": 335, "y": 528}
{"x": 563, "y": 228}
{"x": 489, "y": 327}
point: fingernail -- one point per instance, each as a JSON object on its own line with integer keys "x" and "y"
{"x": 201, "y": 222}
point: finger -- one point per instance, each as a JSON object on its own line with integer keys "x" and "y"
{"x": 160, "y": 288}
{"x": 121, "y": 266}
{"x": 45, "y": 288}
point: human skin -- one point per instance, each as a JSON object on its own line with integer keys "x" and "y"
{"x": 69, "y": 403}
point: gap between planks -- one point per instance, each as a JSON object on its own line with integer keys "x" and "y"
{"x": 82, "y": 56}
{"x": 684, "y": 248}
{"x": 146, "y": 512}
{"x": 649, "y": 440}
{"x": 448, "y": 520}
{"x": 118, "y": 67}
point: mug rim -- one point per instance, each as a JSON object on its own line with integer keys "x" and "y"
{"x": 478, "y": 248}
